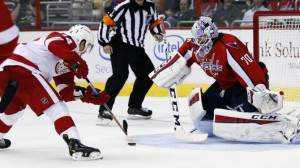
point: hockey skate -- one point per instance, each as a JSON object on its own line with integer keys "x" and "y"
{"x": 104, "y": 118}
{"x": 139, "y": 113}
{"x": 4, "y": 143}
{"x": 78, "y": 151}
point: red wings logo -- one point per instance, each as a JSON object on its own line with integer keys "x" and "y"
{"x": 60, "y": 68}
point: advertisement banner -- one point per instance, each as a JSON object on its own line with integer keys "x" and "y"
{"x": 100, "y": 65}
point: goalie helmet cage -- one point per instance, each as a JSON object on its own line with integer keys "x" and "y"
{"x": 276, "y": 42}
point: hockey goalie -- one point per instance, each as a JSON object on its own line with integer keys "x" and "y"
{"x": 238, "y": 105}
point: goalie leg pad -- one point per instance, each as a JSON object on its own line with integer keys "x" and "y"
{"x": 255, "y": 127}
{"x": 173, "y": 71}
{"x": 197, "y": 112}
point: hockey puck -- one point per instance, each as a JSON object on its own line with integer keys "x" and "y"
{"x": 131, "y": 144}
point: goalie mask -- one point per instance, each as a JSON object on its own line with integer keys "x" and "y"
{"x": 203, "y": 31}
{"x": 82, "y": 32}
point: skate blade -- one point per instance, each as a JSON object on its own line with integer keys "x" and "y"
{"x": 137, "y": 117}
{"x": 93, "y": 156}
{"x": 103, "y": 122}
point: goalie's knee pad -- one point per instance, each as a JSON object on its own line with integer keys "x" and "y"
{"x": 197, "y": 112}
{"x": 173, "y": 71}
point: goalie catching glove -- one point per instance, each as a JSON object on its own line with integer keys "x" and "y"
{"x": 264, "y": 100}
{"x": 172, "y": 71}
{"x": 86, "y": 95}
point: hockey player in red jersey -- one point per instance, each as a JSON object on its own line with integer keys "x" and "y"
{"x": 36, "y": 63}
{"x": 239, "y": 94}
{"x": 8, "y": 33}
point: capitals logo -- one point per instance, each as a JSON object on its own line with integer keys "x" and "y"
{"x": 209, "y": 66}
{"x": 173, "y": 43}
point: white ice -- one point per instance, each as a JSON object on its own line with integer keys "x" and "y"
{"x": 35, "y": 143}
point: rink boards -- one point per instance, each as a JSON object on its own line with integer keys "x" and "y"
{"x": 100, "y": 66}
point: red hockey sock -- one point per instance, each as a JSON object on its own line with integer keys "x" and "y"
{"x": 63, "y": 123}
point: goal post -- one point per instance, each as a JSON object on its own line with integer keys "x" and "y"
{"x": 276, "y": 42}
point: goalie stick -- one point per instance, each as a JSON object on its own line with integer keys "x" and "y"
{"x": 8, "y": 95}
{"x": 178, "y": 130}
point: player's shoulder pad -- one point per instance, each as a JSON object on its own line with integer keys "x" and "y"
{"x": 231, "y": 41}
{"x": 54, "y": 34}
{"x": 59, "y": 37}
{"x": 189, "y": 42}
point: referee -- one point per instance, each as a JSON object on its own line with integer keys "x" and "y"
{"x": 122, "y": 34}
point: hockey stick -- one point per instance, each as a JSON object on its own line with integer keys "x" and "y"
{"x": 179, "y": 131}
{"x": 125, "y": 125}
{"x": 10, "y": 91}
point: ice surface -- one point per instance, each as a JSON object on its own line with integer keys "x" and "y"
{"x": 35, "y": 143}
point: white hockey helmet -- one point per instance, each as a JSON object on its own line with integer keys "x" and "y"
{"x": 203, "y": 31}
{"x": 82, "y": 32}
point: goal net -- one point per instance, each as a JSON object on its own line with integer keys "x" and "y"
{"x": 277, "y": 44}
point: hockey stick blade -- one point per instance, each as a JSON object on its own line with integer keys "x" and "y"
{"x": 125, "y": 126}
{"x": 108, "y": 109}
{"x": 95, "y": 93}
{"x": 116, "y": 120}
{"x": 8, "y": 95}
{"x": 180, "y": 134}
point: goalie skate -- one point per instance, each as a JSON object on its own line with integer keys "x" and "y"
{"x": 4, "y": 143}
{"x": 80, "y": 152}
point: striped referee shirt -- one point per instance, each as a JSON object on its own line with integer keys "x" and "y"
{"x": 129, "y": 21}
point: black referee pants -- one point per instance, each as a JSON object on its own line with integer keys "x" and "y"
{"x": 125, "y": 55}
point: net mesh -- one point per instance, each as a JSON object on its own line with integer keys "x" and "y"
{"x": 279, "y": 49}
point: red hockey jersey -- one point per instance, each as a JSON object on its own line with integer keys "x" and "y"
{"x": 45, "y": 56}
{"x": 8, "y": 33}
{"x": 228, "y": 62}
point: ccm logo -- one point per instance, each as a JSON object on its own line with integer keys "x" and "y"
{"x": 264, "y": 117}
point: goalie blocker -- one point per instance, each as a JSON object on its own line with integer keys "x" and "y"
{"x": 172, "y": 71}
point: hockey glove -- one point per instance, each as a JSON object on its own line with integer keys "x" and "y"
{"x": 78, "y": 66}
{"x": 90, "y": 98}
